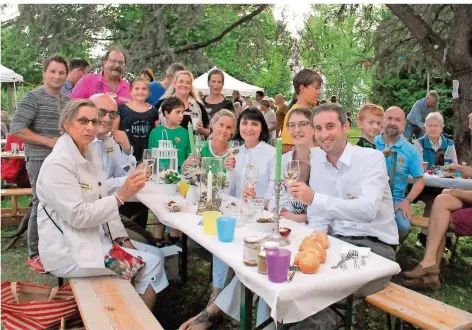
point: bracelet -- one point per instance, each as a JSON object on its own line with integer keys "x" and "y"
{"x": 119, "y": 199}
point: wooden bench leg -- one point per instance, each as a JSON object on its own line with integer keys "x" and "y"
{"x": 454, "y": 249}
{"x": 14, "y": 206}
{"x": 60, "y": 281}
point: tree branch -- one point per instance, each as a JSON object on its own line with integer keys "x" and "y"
{"x": 202, "y": 44}
{"x": 422, "y": 32}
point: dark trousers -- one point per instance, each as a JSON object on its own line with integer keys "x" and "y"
{"x": 138, "y": 212}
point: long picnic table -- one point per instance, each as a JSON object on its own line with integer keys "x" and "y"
{"x": 290, "y": 302}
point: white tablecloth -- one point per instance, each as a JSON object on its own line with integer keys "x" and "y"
{"x": 436, "y": 181}
{"x": 291, "y": 302}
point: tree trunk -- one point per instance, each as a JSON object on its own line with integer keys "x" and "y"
{"x": 458, "y": 62}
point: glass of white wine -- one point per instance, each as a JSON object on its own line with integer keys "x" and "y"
{"x": 252, "y": 175}
{"x": 148, "y": 161}
{"x": 292, "y": 172}
{"x": 233, "y": 149}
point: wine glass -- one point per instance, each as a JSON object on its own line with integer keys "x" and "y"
{"x": 233, "y": 149}
{"x": 292, "y": 172}
{"x": 252, "y": 175}
{"x": 148, "y": 161}
{"x": 195, "y": 119}
{"x": 199, "y": 143}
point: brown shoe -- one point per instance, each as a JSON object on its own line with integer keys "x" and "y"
{"x": 426, "y": 282}
{"x": 419, "y": 271}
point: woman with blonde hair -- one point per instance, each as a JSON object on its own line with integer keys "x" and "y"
{"x": 194, "y": 109}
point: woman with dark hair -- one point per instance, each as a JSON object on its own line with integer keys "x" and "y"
{"x": 254, "y": 153}
{"x": 216, "y": 100}
{"x": 147, "y": 74}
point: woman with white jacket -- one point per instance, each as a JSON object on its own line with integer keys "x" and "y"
{"x": 76, "y": 215}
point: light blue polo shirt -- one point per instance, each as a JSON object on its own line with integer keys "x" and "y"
{"x": 409, "y": 162}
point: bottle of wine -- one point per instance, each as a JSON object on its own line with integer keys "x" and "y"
{"x": 448, "y": 155}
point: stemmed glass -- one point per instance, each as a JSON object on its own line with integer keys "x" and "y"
{"x": 292, "y": 173}
{"x": 252, "y": 175}
{"x": 148, "y": 161}
{"x": 233, "y": 148}
{"x": 199, "y": 143}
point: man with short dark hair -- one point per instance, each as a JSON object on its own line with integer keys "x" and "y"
{"x": 108, "y": 81}
{"x": 237, "y": 97}
{"x": 307, "y": 84}
{"x": 259, "y": 97}
{"x": 78, "y": 67}
{"x": 409, "y": 163}
{"x": 417, "y": 116}
{"x": 36, "y": 122}
{"x": 158, "y": 88}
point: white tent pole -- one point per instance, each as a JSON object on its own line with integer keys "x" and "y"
{"x": 14, "y": 92}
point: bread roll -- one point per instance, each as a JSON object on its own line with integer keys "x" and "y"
{"x": 309, "y": 264}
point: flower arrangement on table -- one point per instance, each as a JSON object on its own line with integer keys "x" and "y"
{"x": 192, "y": 174}
{"x": 170, "y": 176}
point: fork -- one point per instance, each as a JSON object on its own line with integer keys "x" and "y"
{"x": 355, "y": 256}
{"x": 341, "y": 263}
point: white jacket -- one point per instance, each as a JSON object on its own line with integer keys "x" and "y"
{"x": 73, "y": 190}
{"x": 262, "y": 156}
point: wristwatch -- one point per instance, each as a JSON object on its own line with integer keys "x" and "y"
{"x": 131, "y": 150}
{"x": 409, "y": 200}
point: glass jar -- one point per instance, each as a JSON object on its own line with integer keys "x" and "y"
{"x": 261, "y": 263}
{"x": 252, "y": 247}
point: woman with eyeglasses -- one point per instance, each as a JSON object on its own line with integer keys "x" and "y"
{"x": 77, "y": 220}
{"x": 137, "y": 119}
{"x": 302, "y": 135}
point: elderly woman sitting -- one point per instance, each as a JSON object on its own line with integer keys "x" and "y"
{"x": 76, "y": 215}
{"x": 433, "y": 145}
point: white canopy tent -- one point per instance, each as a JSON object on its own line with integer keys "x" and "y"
{"x": 9, "y": 76}
{"x": 231, "y": 83}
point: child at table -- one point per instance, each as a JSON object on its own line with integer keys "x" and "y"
{"x": 173, "y": 109}
{"x": 370, "y": 122}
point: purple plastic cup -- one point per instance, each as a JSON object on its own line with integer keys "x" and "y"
{"x": 278, "y": 264}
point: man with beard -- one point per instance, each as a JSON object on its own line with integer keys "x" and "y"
{"x": 108, "y": 81}
{"x": 409, "y": 162}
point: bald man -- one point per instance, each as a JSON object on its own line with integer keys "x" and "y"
{"x": 114, "y": 146}
{"x": 409, "y": 162}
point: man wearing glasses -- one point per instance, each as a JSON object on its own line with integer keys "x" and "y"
{"x": 113, "y": 146}
{"x": 109, "y": 81}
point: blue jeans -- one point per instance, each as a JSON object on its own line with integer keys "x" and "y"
{"x": 220, "y": 269}
{"x": 403, "y": 223}
{"x": 411, "y": 130}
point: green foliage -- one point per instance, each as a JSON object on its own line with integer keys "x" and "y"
{"x": 342, "y": 53}
{"x": 403, "y": 89}
{"x": 20, "y": 91}
{"x": 256, "y": 52}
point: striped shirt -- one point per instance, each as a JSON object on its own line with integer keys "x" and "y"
{"x": 38, "y": 111}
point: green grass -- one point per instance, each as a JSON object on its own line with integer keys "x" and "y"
{"x": 354, "y": 134}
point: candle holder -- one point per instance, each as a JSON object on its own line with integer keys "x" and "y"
{"x": 275, "y": 238}
{"x": 215, "y": 166}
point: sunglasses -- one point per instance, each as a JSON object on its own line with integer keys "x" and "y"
{"x": 112, "y": 113}
{"x": 84, "y": 121}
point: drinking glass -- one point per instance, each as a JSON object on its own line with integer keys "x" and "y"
{"x": 199, "y": 143}
{"x": 194, "y": 120}
{"x": 148, "y": 161}
{"x": 252, "y": 175}
{"x": 292, "y": 172}
{"x": 256, "y": 208}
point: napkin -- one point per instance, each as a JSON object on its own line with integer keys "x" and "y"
{"x": 361, "y": 251}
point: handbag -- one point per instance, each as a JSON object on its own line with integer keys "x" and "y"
{"x": 117, "y": 259}
{"x": 29, "y": 306}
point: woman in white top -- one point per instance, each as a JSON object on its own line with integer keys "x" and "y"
{"x": 76, "y": 217}
{"x": 302, "y": 134}
{"x": 255, "y": 152}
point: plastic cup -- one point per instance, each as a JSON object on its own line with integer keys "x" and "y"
{"x": 225, "y": 227}
{"x": 183, "y": 188}
{"x": 209, "y": 222}
{"x": 425, "y": 166}
{"x": 278, "y": 264}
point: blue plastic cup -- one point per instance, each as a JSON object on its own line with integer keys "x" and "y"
{"x": 225, "y": 227}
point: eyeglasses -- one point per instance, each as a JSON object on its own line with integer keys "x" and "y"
{"x": 301, "y": 125}
{"x": 116, "y": 62}
{"x": 112, "y": 113}
{"x": 84, "y": 121}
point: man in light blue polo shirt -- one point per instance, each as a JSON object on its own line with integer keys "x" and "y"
{"x": 409, "y": 163}
{"x": 417, "y": 116}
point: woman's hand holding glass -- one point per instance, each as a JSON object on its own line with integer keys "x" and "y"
{"x": 291, "y": 174}
{"x": 134, "y": 183}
